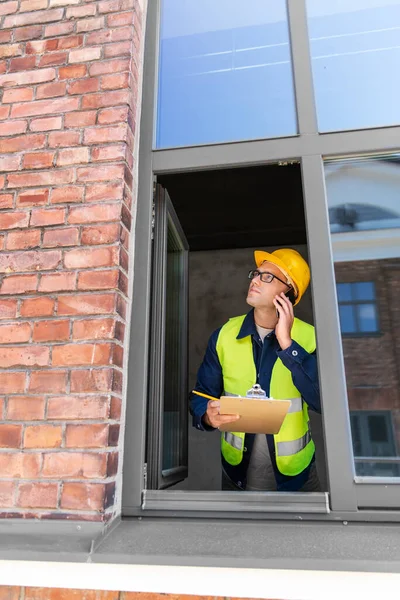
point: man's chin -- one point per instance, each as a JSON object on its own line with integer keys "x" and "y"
{"x": 251, "y": 301}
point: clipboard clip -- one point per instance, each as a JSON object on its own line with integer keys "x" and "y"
{"x": 256, "y": 392}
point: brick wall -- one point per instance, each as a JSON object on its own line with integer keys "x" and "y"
{"x": 373, "y": 362}
{"x": 28, "y": 593}
{"x": 69, "y": 73}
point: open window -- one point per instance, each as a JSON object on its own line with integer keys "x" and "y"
{"x": 224, "y": 215}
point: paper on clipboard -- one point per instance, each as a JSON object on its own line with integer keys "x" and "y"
{"x": 257, "y": 415}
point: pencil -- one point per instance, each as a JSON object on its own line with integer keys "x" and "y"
{"x": 205, "y": 395}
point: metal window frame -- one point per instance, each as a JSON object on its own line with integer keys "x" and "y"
{"x": 357, "y": 332}
{"x": 311, "y": 148}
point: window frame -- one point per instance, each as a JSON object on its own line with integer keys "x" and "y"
{"x": 358, "y": 333}
{"x": 352, "y": 497}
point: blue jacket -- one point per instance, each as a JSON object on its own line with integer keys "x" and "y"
{"x": 300, "y": 363}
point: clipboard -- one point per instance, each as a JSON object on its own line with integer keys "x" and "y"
{"x": 257, "y": 415}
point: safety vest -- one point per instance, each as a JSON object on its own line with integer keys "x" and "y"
{"x": 294, "y": 446}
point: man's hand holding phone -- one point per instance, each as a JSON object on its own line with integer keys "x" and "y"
{"x": 284, "y": 326}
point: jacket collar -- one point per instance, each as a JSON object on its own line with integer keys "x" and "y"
{"x": 249, "y": 327}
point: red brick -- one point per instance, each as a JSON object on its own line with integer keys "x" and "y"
{"x": 48, "y": 382}
{"x": 19, "y": 284}
{"x": 12, "y": 383}
{"x": 114, "y": 82}
{"x": 84, "y": 55}
{"x": 4, "y": 110}
{"x": 109, "y": 66}
{"x": 38, "y": 160}
{"x": 37, "y": 495}
{"x": 15, "y": 333}
{"x": 18, "y": 95}
{"x": 90, "y": 24}
{"x": 14, "y": 220}
{"x": 29, "y": 5}
{"x": 57, "y": 282}
{"x": 25, "y": 408}
{"x": 86, "y": 304}
{"x": 8, "y": 309}
{"x": 22, "y": 142}
{"x": 22, "y": 240}
{"x": 80, "y": 119}
{"x": 31, "y": 32}
{"x": 50, "y": 177}
{"x": 121, "y": 19}
{"x": 63, "y": 28}
{"x": 76, "y": 464}
{"x": 67, "y": 194}
{"x": 49, "y": 90}
{"x": 100, "y": 173}
{"x": 2, "y": 238}
{"x": 46, "y": 124}
{"x": 33, "y": 198}
{"x": 78, "y": 407}
{"x": 115, "y": 408}
{"x": 54, "y": 238}
{"x": 72, "y": 41}
{"x": 98, "y": 280}
{"x": 43, "y": 16}
{"x": 27, "y": 77}
{"x": 117, "y": 49}
{"x": 88, "y": 10}
{"x": 64, "y": 138}
{"x": 79, "y": 354}
{"x": 93, "y": 329}
{"x": 8, "y": 50}
{"x": 86, "y": 436}
{"x": 107, "y": 6}
{"x": 95, "y": 213}
{"x": 9, "y": 163}
{"x": 5, "y": 37}
{"x": 43, "y": 107}
{"x": 52, "y": 216}
{"x": 72, "y": 72}
{"x": 82, "y": 496}
{"x": 98, "y": 135}
{"x": 41, "y": 46}
{"x": 43, "y": 436}
{"x": 104, "y": 191}
{"x": 51, "y": 331}
{"x": 6, "y": 200}
{"x": 109, "y": 35}
{"x": 31, "y": 356}
{"x": 22, "y": 64}
{"x": 91, "y": 380}
{"x": 19, "y": 465}
{"x": 53, "y": 59}
{"x": 100, "y": 234}
{"x": 71, "y": 156}
{"x": 7, "y": 500}
{"x": 37, "y": 307}
{"x": 7, "y": 8}
{"x": 83, "y": 86}
{"x": 82, "y": 258}
{"x": 10, "y": 436}
{"x": 31, "y": 260}
{"x": 105, "y": 99}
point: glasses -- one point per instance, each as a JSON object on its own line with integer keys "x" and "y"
{"x": 266, "y": 277}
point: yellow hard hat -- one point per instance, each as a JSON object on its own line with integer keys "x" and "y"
{"x": 292, "y": 265}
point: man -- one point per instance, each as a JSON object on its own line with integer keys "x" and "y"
{"x": 271, "y": 347}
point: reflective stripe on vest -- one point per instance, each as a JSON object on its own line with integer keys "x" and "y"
{"x": 294, "y": 447}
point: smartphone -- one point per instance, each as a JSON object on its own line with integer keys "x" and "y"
{"x": 291, "y": 296}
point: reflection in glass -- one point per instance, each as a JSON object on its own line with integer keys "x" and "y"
{"x": 225, "y": 72}
{"x": 366, "y": 250}
{"x": 355, "y": 46}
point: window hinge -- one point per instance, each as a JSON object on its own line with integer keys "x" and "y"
{"x": 145, "y": 477}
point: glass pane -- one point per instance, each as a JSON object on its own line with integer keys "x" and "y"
{"x": 354, "y": 46}
{"x": 225, "y": 72}
{"x": 344, "y": 292}
{"x": 364, "y": 290}
{"x": 175, "y": 368}
{"x": 369, "y": 260}
{"x": 347, "y": 320}
{"x": 367, "y": 318}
